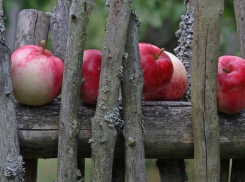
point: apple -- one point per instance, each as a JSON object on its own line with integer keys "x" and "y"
{"x": 176, "y": 87}
{"x": 36, "y": 75}
{"x": 91, "y": 75}
{"x": 157, "y": 68}
{"x": 231, "y": 84}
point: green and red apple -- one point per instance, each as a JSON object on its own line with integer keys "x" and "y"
{"x": 36, "y": 75}
{"x": 177, "y": 86}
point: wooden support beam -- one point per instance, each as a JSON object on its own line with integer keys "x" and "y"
{"x": 168, "y": 131}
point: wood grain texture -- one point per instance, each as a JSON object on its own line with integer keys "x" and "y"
{"x": 239, "y": 6}
{"x": 132, "y": 88}
{"x": 207, "y": 27}
{"x": 10, "y": 159}
{"x": 69, "y": 125}
{"x": 59, "y": 26}
{"x": 107, "y": 116}
{"x": 32, "y": 27}
{"x": 168, "y": 131}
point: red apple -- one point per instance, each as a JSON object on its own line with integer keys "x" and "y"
{"x": 91, "y": 75}
{"x": 157, "y": 68}
{"x": 231, "y": 84}
{"x": 36, "y": 75}
{"x": 176, "y": 87}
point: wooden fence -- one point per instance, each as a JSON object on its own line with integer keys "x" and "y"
{"x": 170, "y": 132}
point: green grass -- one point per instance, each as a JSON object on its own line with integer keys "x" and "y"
{"x": 47, "y": 170}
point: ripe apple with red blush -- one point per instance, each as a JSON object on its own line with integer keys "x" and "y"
{"x": 176, "y": 87}
{"x": 157, "y": 67}
{"x": 91, "y": 75}
{"x": 231, "y": 84}
{"x": 36, "y": 75}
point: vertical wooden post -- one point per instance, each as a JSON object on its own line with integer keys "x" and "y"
{"x": 32, "y": 27}
{"x": 11, "y": 163}
{"x": 59, "y": 26}
{"x": 238, "y": 167}
{"x": 207, "y": 26}
{"x": 69, "y": 125}
{"x": 132, "y": 87}
{"x": 107, "y": 115}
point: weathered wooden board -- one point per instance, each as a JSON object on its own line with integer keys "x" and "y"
{"x": 167, "y": 131}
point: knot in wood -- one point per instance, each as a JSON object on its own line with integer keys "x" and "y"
{"x": 131, "y": 141}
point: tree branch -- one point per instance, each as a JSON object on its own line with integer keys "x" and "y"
{"x": 69, "y": 125}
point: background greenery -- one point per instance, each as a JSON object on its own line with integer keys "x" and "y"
{"x": 159, "y": 22}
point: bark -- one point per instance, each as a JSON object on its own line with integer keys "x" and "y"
{"x": 59, "y": 26}
{"x": 132, "y": 88}
{"x": 171, "y": 170}
{"x": 11, "y": 163}
{"x": 185, "y": 42}
{"x": 69, "y": 125}
{"x": 239, "y": 6}
{"x": 107, "y": 118}
{"x": 32, "y": 27}
{"x": 2, "y": 23}
{"x": 168, "y": 131}
{"x": 207, "y": 25}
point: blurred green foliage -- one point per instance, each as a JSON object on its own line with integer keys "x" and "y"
{"x": 153, "y": 14}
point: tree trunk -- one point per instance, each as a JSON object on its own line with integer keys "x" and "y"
{"x": 69, "y": 125}
{"x": 171, "y": 170}
{"x": 132, "y": 88}
{"x": 11, "y": 163}
{"x": 207, "y": 25}
{"x": 107, "y": 115}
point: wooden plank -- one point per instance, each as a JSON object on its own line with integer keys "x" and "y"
{"x": 207, "y": 27}
{"x": 168, "y": 131}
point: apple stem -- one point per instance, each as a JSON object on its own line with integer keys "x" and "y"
{"x": 159, "y": 53}
{"x": 43, "y": 43}
{"x": 225, "y": 70}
